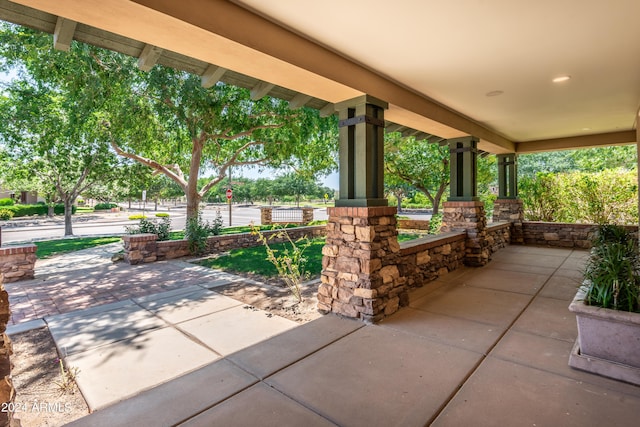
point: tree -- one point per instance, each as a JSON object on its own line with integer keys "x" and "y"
{"x": 173, "y": 125}
{"x": 420, "y": 164}
{"x": 52, "y": 115}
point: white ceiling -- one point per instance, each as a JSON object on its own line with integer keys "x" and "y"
{"x": 458, "y": 51}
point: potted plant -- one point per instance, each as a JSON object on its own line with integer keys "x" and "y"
{"x": 607, "y": 307}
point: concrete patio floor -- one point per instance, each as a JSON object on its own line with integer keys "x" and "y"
{"x": 485, "y": 347}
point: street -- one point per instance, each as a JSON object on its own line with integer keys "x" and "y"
{"x": 114, "y": 223}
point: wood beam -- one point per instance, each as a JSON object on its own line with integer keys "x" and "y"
{"x": 211, "y": 76}
{"x": 328, "y": 110}
{"x": 260, "y": 90}
{"x": 149, "y": 57}
{"x": 299, "y": 101}
{"x": 63, "y": 34}
{"x": 575, "y": 142}
{"x": 394, "y": 127}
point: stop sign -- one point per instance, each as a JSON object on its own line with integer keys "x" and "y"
{"x": 229, "y": 194}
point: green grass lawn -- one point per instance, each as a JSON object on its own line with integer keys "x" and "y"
{"x": 48, "y": 248}
{"x": 253, "y": 260}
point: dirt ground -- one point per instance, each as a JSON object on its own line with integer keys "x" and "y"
{"x": 36, "y": 373}
{"x": 40, "y": 400}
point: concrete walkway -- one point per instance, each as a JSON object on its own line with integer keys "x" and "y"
{"x": 482, "y": 347}
{"x": 129, "y": 328}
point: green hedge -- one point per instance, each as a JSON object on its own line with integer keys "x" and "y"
{"x": 40, "y": 209}
{"x": 104, "y": 206}
{"x": 7, "y": 202}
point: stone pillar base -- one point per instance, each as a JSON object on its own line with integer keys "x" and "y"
{"x": 360, "y": 276}
{"x": 511, "y": 210}
{"x": 470, "y": 218}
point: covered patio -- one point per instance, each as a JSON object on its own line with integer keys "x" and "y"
{"x": 487, "y": 345}
{"x": 482, "y": 347}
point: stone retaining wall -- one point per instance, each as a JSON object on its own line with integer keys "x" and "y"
{"x": 425, "y": 259}
{"x": 17, "y": 263}
{"x": 413, "y": 224}
{"x": 143, "y": 248}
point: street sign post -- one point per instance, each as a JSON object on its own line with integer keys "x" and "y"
{"x": 229, "y": 197}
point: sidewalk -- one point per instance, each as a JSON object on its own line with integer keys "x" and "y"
{"x": 129, "y": 328}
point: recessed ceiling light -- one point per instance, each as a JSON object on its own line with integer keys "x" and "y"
{"x": 494, "y": 93}
{"x": 586, "y": 128}
{"x": 561, "y": 79}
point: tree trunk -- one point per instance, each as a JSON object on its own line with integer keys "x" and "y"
{"x": 399, "y": 201}
{"x": 193, "y": 204}
{"x": 51, "y": 210}
{"x": 68, "y": 211}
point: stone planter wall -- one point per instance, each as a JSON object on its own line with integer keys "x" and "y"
{"x": 413, "y": 224}
{"x": 17, "y": 263}
{"x": 143, "y": 248}
{"x": 510, "y": 210}
{"x": 425, "y": 259}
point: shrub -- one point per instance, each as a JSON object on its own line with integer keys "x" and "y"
{"x": 137, "y": 216}
{"x": 105, "y": 206}
{"x": 7, "y": 202}
{"x": 38, "y": 209}
{"x": 162, "y": 229}
{"x": 162, "y": 215}
{"x": 197, "y": 231}
{"x": 6, "y": 214}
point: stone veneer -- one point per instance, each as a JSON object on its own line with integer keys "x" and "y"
{"x": 560, "y": 235}
{"x": 413, "y": 224}
{"x": 17, "y": 263}
{"x": 360, "y": 274}
{"x": 468, "y": 216}
{"x": 499, "y": 236}
{"x": 510, "y": 210}
{"x": 143, "y": 248}
{"x": 425, "y": 259}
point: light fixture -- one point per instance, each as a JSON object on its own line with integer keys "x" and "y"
{"x": 494, "y": 93}
{"x": 561, "y": 79}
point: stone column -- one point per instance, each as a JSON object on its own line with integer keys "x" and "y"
{"x": 307, "y": 215}
{"x": 507, "y": 206}
{"x": 360, "y": 276}
{"x": 469, "y": 217}
{"x": 463, "y": 211}
{"x": 265, "y": 215}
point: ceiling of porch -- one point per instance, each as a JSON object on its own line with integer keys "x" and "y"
{"x": 446, "y": 68}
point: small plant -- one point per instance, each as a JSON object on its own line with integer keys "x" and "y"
{"x": 7, "y": 202}
{"x": 6, "y": 214}
{"x": 435, "y": 223}
{"x": 290, "y": 262}
{"x": 162, "y": 215}
{"x": 137, "y": 216}
{"x": 612, "y": 278}
{"x": 68, "y": 376}
{"x": 162, "y": 228}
